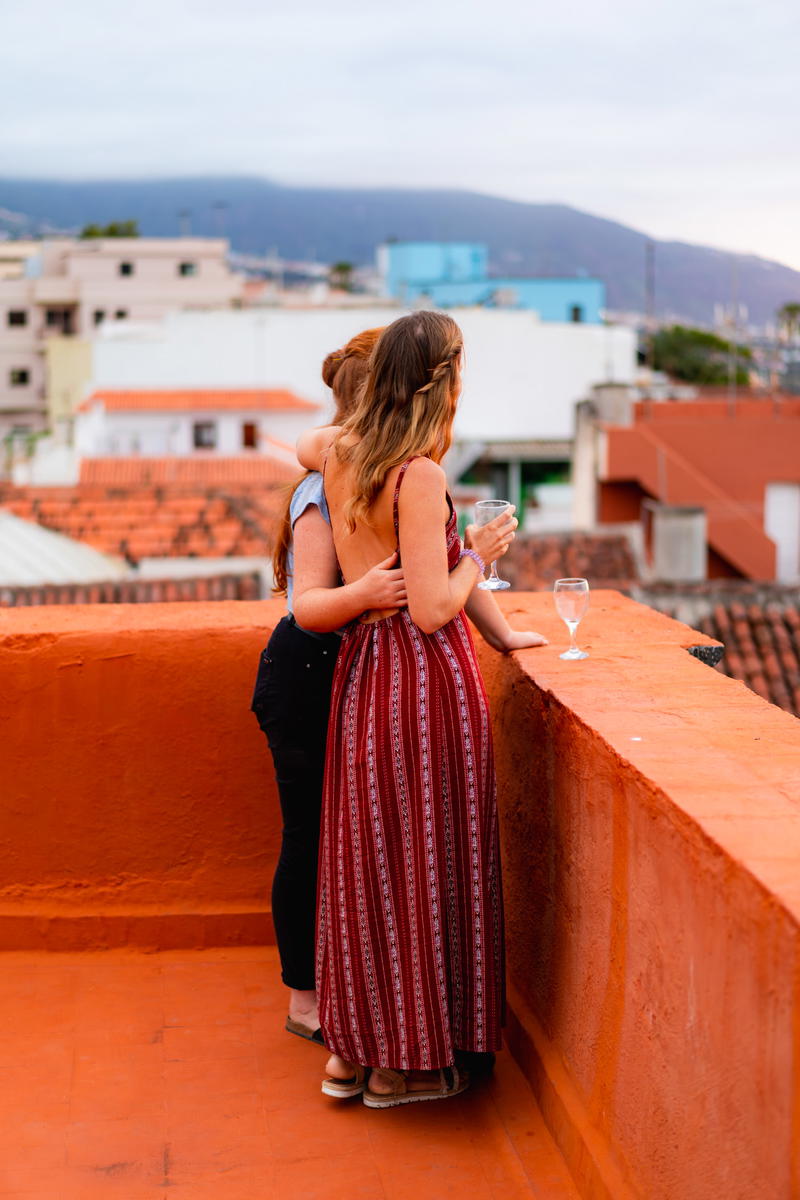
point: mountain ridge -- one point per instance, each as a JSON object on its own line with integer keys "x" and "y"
{"x": 346, "y": 223}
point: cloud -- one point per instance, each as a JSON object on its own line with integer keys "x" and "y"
{"x": 676, "y": 117}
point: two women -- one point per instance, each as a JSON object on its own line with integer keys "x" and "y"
{"x": 410, "y": 929}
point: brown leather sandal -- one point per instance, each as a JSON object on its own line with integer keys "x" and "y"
{"x": 408, "y": 1090}
{"x": 343, "y": 1089}
{"x": 304, "y": 1031}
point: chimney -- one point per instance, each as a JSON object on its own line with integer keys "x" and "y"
{"x": 676, "y": 536}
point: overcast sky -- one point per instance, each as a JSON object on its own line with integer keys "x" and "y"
{"x": 678, "y": 118}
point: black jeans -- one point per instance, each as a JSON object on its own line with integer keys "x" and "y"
{"x": 291, "y": 701}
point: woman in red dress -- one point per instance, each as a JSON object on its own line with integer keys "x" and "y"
{"x": 410, "y": 922}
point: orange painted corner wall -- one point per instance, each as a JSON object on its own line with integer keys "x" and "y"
{"x": 139, "y": 801}
{"x": 649, "y": 818}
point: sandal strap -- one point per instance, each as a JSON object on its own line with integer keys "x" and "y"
{"x": 356, "y": 1077}
{"x": 451, "y": 1079}
{"x": 396, "y": 1078}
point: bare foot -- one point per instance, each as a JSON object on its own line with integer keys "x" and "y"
{"x": 303, "y": 1008}
{"x": 339, "y": 1068}
{"x": 379, "y": 1083}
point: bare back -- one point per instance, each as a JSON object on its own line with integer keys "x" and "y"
{"x": 360, "y": 550}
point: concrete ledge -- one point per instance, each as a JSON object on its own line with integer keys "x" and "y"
{"x": 68, "y": 930}
{"x": 650, "y": 816}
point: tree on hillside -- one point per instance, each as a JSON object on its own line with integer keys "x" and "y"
{"x": 117, "y": 229}
{"x": 789, "y": 318}
{"x": 695, "y": 356}
{"x": 341, "y": 276}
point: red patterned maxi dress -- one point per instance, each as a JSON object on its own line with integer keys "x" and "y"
{"x": 410, "y": 961}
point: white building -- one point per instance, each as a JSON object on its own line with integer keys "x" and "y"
{"x": 66, "y": 288}
{"x": 164, "y": 423}
{"x": 522, "y": 377}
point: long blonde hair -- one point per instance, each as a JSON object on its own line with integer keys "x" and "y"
{"x": 344, "y": 372}
{"x": 407, "y": 405}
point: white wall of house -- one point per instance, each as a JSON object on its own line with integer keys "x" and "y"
{"x": 782, "y": 524}
{"x": 522, "y": 377}
{"x": 155, "y": 435}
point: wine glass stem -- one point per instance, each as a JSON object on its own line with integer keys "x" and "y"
{"x": 573, "y": 629}
{"x": 493, "y": 572}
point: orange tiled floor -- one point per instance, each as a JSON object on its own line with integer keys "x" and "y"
{"x": 132, "y": 1077}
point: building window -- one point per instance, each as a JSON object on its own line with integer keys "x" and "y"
{"x": 19, "y": 377}
{"x": 126, "y": 268}
{"x": 120, "y": 314}
{"x": 60, "y": 318}
{"x": 576, "y": 314}
{"x": 249, "y": 435}
{"x": 17, "y": 316}
{"x": 204, "y": 435}
{"x": 187, "y": 268}
{"x": 98, "y": 316}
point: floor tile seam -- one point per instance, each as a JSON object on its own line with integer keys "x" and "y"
{"x": 376, "y": 1159}
{"x": 501, "y": 1119}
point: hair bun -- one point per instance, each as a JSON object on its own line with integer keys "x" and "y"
{"x": 331, "y": 365}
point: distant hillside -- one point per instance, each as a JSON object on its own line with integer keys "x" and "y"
{"x": 347, "y": 223}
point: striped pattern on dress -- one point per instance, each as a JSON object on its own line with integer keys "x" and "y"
{"x": 410, "y": 960}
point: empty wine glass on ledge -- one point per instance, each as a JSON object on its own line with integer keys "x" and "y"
{"x": 572, "y": 600}
{"x": 486, "y": 511}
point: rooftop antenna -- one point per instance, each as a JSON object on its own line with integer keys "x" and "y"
{"x": 221, "y": 217}
{"x": 650, "y": 301}
{"x": 185, "y": 222}
{"x": 732, "y": 346}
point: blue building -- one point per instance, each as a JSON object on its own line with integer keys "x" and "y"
{"x": 456, "y": 275}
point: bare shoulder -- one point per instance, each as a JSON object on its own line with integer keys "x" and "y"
{"x": 314, "y": 444}
{"x": 424, "y": 477}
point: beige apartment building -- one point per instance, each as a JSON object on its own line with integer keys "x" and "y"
{"x": 65, "y": 288}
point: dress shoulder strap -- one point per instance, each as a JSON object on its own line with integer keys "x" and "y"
{"x": 400, "y": 475}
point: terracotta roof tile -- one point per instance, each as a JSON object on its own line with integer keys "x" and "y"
{"x": 208, "y": 470}
{"x": 140, "y": 522}
{"x": 199, "y": 400}
{"x": 762, "y": 647}
{"x": 535, "y": 562}
{"x": 244, "y": 586}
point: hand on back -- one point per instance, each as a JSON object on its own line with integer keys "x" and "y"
{"x": 384, "y": 585}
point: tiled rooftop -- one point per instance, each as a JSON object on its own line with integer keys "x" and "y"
{"x": 534, "y": 563}
{"x": 758, "y": 623}
{"x": 245, "y": 585}
{"x": 144, "y": 522}
{"x": 199, "y": 399}
{"x": 197, "y": 470}
{"x": 762, "y": 648}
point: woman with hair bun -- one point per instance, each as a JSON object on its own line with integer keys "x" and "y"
{"x": 410, "y": 922}
{"x": 293, "y": 687}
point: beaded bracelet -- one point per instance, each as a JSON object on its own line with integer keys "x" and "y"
{"x": 476, "y": 558}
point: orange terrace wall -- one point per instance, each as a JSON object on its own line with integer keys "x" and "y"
{"x": 650, "y": 814}
{"x": 139, "y": 804}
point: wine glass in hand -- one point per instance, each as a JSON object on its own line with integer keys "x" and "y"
{"x": 572, "y": 600}
{"x": 486, "y": 511}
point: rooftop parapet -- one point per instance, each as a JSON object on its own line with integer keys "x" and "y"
{"x": 650, "y": 814}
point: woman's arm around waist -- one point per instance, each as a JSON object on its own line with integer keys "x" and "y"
{"x": 321, "y": 602}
